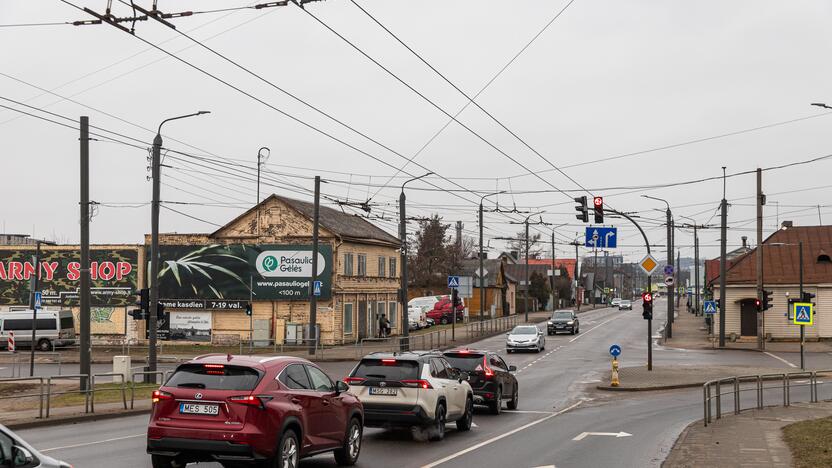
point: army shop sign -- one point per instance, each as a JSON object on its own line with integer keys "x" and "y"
{"x": 224, "y": 274}
{"x": 113, "y": 276}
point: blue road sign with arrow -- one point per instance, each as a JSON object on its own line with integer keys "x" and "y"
{"x": 710, "y": 307}
{"x": 615, "y": 350}
{"x": 38, "y": 299}
{"x": 316, "y": 290}
{"x": 453, "y": 282}
{"x": 601, "y": 237}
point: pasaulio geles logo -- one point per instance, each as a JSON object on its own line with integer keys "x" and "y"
{"x": 270, "y": 263}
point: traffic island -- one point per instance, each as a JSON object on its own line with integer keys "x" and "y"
{"x": 639, "y": 379}
{"x": 810, "y": 442}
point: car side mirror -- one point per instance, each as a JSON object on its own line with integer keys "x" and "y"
{"x": 507, "y": 334}
{"x": 512, "y": 368}
{"x": 463, "y": 376}
{"x": 341, "y": 387}
{"x": 21, "y": 456}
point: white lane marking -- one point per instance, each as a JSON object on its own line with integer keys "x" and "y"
{"x": 143, "y": 434}
{"x": 779, "y": 359}
{"x": 617, "y": 435}
{"x": 545, "y": 466}
{"x": 526, "y": 412}
{"x": 593, "y": 328}
{"x": 501, "y": 436}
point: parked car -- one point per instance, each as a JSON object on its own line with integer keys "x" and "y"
{"x": 441, "y": 311}
{"x": 625, "y": 305}
{"x": 417, "y": 317}
{"x": 412, "y": 389}
{"x": 525, "y": 337}
{"x": 489, "y": 376}
{"x": 15, "y": 452}
{"x": 54, "y": 328}
{"x": 430, "y": 322}
{"x": 261, "y": 410}
{"x": 563, "y": 320}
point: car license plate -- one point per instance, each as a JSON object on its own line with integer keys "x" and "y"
{"x": 198, "y": 408}
{"x": 383, "y": 391}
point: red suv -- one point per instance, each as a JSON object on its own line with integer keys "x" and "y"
{"x": 265, "y": 410}
{"x": 441, "y": 312}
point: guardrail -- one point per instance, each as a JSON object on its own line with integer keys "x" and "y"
{"x": 80, "y": 377}
{"x": 40, "y": 394}
{"x": 92, "y": 388}
{"x": 163, "y": 374}
{"x": 20, "y": 361}
{"x": 713, "y": 390}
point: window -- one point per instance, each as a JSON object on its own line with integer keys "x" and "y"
{"x": 398, "y": 369}
{"x": 348, "y": 258}
{"x": 6, "y": 444}
{"x": 380, "y": 309}
{"x": 362, "y": 264}
{"x": 26, "y": 324}
{"x": 497, "y": 363}
{"x": 392, "y": 267}
{"x": 67, "y": 322}
{"x": 214, "y": 378}
{"x": 438, "y": 369}
{"x": 295, "y": 377}
{"x": 392, "y": 313}
{"x": 320, "y": 381}
{"x": 382, "y": 263}
{"x": 348, "y": 319}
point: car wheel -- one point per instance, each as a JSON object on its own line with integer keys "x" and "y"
{"x": 161, "y": 461}
{"x": 438, "y": 429}
{"x": 496, "y": 406}
{"x": 288, "y": 453}
{"x": 508, "y": 351}
{"x": 347, "y": 455}
{"x": 464, "y": 424}
{"x": 443, "y": 321}
{"x": 515, "y": 399}
{"x": 44, "y": 345}
{"x": 577, "y": 330}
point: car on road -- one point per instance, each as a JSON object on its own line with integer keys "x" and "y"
{"x": 525, "y": 338}
{"x": 490, "y": 377}
{"x": 417, "y": 389}
{"x": 625, "y": 305}
{"x": 441, "y": 311}
{"x": 263, "y": 410}
{"x": 15, "y": 452}
{"x": 417, "y": 318}
{"x": 616, "y": 301}
{"x": 563, "y": 320}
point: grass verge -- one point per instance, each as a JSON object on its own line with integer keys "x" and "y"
{"x": 810, "y": 442}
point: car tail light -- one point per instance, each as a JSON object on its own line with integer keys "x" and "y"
{"x": 214, "y": 369}
{"x": 258, "y": 401}
{"x": 388, "y": 362}
{"x": 417, "y": 384}
{"x": 354, "y": 380}
{"x": 489, "y": 372}
{"x": 159, "y": 395}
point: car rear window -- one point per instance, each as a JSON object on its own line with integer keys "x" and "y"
{"x": 465, "y": 361}
{"x": 387, "y": 369}
{"x": 214, "y": 377}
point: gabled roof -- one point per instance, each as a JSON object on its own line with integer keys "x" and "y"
{"x": 781, "y": 261}
{"x": 347, "y": 226}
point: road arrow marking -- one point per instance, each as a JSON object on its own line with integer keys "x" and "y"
{"x": 617, "y": 435}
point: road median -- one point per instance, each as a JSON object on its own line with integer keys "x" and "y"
{"x": 639, "y": 379}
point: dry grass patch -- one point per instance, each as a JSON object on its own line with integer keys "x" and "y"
{"x": 810, "y": 442}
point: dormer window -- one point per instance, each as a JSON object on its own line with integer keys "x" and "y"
{"x": 823, "y": 257}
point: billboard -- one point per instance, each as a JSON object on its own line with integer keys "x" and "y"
{"x": 225, "y": 276}
{"x": 113, "y": 274}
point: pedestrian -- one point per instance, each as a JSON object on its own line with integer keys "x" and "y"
{"x": 382, "y": 326}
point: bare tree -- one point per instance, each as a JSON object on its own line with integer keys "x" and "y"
{"x": 518, "y": 244}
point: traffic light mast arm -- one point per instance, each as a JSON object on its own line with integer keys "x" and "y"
{"x": 646, "y": 242}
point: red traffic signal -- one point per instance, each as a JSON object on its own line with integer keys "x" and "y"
{"x": 598, "y": 202}
{"x": 647, "y": 297}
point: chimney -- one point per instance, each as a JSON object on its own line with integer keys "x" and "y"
{"x": 787, "y": 224}
{"x": 745, "y": 242}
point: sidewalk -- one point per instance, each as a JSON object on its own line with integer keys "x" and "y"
{"x": 690, "y": 332}
{"x": 752, "y": 438}
{"x": 70, "y": 414}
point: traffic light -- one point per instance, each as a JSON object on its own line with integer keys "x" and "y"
{"x": 582, "y": 209}
{"x": 160, "y": 311}
{"x": 758, "y": 304}
{"x": 767, "y": 300}
{"x": 248, "y": 309}
{"x": 807, "y": 297}
{"x": 647, "y": 304}
{"x": 455, "y": 303}
{"x": 143, "y": 302}
{"x": 598, "y": 204}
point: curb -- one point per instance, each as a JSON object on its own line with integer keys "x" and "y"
{"x": 58, "y": 421}
{"x": 649, "y": 389}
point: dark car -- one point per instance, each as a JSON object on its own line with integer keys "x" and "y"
{"x": 269, "y": 411}
{"x": 441, "y": 311}
{"x": 489, "y": 376}
{"x": 563, "y": 320}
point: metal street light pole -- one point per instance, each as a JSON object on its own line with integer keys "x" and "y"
{"x": 154, "y": 239}
{"x": 482, "y": 256}
{"x": 671, "y": 289}
{"x": 261, "y": 160}
{"x": 405, "y": 321}
{"x": 696, "y": 262}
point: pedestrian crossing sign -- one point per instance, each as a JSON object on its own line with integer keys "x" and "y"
{"x": 710, "y": 307}
{"x": 453, "y": 282}
{"x": 803, "y": 313}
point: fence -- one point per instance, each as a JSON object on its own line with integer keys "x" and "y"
{"x": 784, "y": 383}
{"x": 19, "y": 364}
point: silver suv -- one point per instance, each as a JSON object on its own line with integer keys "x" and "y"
{"x": 412, "y": 389}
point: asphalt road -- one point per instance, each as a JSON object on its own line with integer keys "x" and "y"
{"x": 557, "y": 404}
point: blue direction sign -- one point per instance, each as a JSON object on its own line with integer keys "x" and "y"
{"x": 710, "y": 307}
{"x": 453, "y": 282}
{"x": 316, "y": 290}
{"x": 601, "y": 237}
{"x": 803, "y": 313}
{"x": 38, "y": 300}
{"x": 615, "y": 350}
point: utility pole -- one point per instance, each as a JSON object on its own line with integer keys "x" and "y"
{"x": 313, "y": 299}
{"x": 405, "y": 321}
{"x": 671, "y": 289}
{"x": 526, "y": 274}
{"x": 696, "y": 265}
{"x": 261, "y": 159}
{"x": 554, "y": 292}
{"x": 606, "y": 271}
{"x": 84, "y": 315}
{"x": 677, "y": 273}
{"x": 594, "y": 275}
{"x": 482, "y": 257}
{"x": 459, "y": 236}
{"x": 722, "y": 261}
{"x": 802, "y": 327}
{"x": 577, "y": 302}
{"x": 761, "y": 320}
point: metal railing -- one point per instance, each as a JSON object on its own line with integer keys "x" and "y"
{"x": 85, "y": 392}
{"x": 92, "y": 388}
{"x": 40, "y": 393}
{"x": 20, "y": 362}
{"x": 163, "y": 374}
{"x": 712, "y": 391}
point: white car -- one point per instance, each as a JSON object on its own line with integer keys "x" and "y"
{"x": 14, "y": 451}
{"x": 412, "y": 389}
{"x": 416, "y": 316}
{"x": 525, "y": 338}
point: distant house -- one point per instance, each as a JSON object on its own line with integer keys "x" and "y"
{"x": 781, "y": 275}
{"x": 500, "y": 288}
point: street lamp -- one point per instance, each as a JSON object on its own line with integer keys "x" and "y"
{"x": 405, "y": 322}
{"x": 261, "y": 160}
{"x": 526, "y": 274}
{"x": 671, "y": 289}
{"x": 154, "y": 240}
{"x": 695, "y": 260}
{"x": 482, "y": 267}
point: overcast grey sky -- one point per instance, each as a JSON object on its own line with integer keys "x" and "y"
{"x": 606, "y": 78}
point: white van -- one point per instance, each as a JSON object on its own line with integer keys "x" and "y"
{"x": 416, "y": 316}
{"x": 54, "y": 328}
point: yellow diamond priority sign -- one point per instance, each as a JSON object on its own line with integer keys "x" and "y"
{"x": 648, "y": 264}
